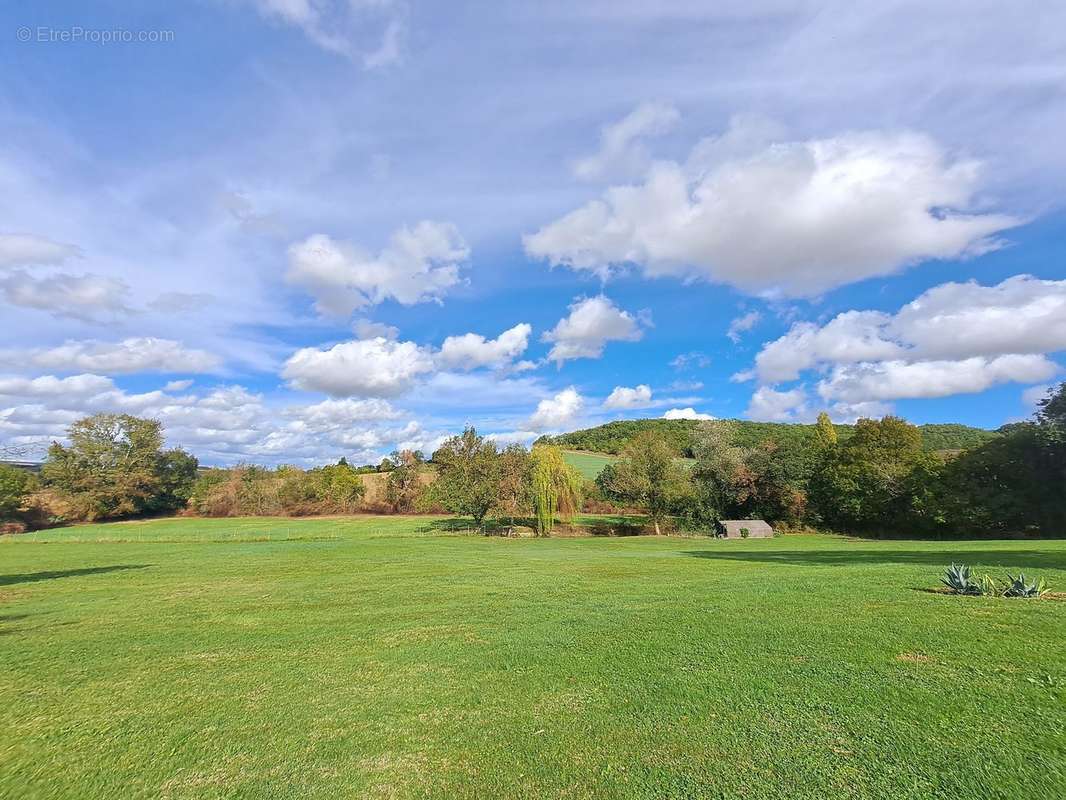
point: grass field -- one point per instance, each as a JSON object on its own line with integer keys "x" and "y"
{"x": 590, "y": 464}
{"x": 386, "y": 657}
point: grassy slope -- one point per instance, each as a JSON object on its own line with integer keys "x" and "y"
{"x": 588, "y": 464}
{"x": 371, "y": 658}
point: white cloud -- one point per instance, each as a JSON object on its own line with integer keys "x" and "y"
{"x": 953, "y": 338}
{"x": 622, "y": 152}
{"x": 505, "y": 438}
{"x": 891, "y": 380}
{"x": 46, "y": 386}
{"x": 556, "y": 412}
{"x": 742, "y": 324}
{"x": 686, "y": 413}
{"x": 368, "y": 329}
{"x": 140, "y": 354}
{"x": 177, "y": 386}
{"x": 794, "y": 218}
{"x": 419, "y": 264}
{"x": 85, "y": 297}
{"x": 472, "y": 350}
{"x": 24, "y": 249}
{"x": 626, "y": 397}
{"x": 592, "y": 322}
{"x": 368, "y": 368}
{"x": 849, "y": 337}
{"x": 769, "y": 405}
{"x": 341, "y": 413}
{"x": 1034, "y": 394}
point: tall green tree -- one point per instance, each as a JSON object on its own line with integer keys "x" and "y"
{"x": 114, "y": 466}
{"x": 556, "y": 487}
{"x": 468, "y": 475}
{"x": 649, "y": 476}
{"x": 863, "y": 484}
{"x": 825, "y": 433}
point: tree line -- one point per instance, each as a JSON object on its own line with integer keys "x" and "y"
{"x": 681, "y": 435}
{"x": 881, "y": 478}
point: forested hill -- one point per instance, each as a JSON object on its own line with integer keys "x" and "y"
{"x": 613, "y": 436}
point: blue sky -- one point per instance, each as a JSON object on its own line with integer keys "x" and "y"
{"x": 298, "y": 229}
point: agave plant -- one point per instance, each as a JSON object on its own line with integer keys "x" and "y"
{"x": 960, "y": 580}
{"x": 1021, "y": 587}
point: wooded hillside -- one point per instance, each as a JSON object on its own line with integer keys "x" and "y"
{"x": 614, "y": 436}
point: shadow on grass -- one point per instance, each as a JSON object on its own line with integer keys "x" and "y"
{"x": 941, "y": 557}
{"x": 34, "y": 577}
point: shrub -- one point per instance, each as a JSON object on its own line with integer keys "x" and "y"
{"x": 15, "y": 488}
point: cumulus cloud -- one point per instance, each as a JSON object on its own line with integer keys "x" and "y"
{"x": 24, "y": 250}
{"x": 770, "y": 405}
{"x": 742, "y": 324}
{"x": 365, "y": 368}
{"x": 140, "y": 354}
{"x": 892, "y": 380}
{"x": 793, "y": 218}
{"x": 629, "y": 397}
{"x": 950, "y": 322}
{"x": 472, "y": 350}
{"x": 622, "y": 152}
{"x": 556, "y": 412}
{"x": 46, "y": 386}
{"x": 592, "y": 322}
{"x": 368, "y": 329}
{"x": 86, "y": 297}
{"x": 686, "y": 413}
{"x": 419, "y": 264}
{"x": 225, "y": 425}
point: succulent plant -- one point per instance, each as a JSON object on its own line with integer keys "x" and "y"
{"x": 1022, "y": 587}
{"x": 960, "y": 580}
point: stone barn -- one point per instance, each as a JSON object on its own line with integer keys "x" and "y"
{"x": 735, "y": 529}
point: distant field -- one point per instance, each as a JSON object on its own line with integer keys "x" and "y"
{"x": 395, "y": 657}
{"x": 588, "y": 464}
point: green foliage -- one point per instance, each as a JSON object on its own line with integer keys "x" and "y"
{"x": 863, "y": 484}
{"x": 731, "y": 481}
{"x": 648, "y": 476}
{"x": 255, "y": 491}
{"x": 959, "y": 579}
{"x": 468, "y": 475}
{"x": 825, "y": 434}
{"x": 555, "y": 487}
{"x": 1021, "y": 587}
{"x": 15, "y": 487}
{"x": 114, "y": 467}
{"x": 681, "y": 434}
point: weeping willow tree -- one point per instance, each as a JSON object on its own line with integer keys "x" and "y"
{"x": 556, "y": 488}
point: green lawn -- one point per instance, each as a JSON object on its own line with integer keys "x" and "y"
{"x": 388, "y": 657}
{"x": 588, "y": 464}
